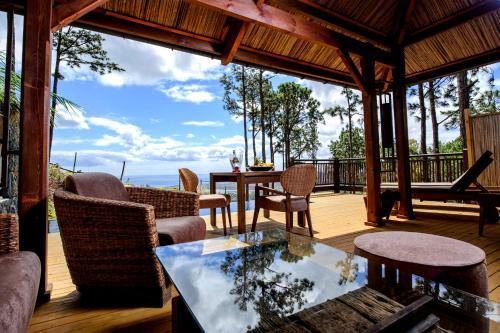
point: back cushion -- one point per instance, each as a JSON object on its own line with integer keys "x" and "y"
{"x": 97, "y": 185}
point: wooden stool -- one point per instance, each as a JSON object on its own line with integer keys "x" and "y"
{"x": 455, "y": 263}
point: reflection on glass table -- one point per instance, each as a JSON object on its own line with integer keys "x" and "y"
{"x": 276, "y": 281}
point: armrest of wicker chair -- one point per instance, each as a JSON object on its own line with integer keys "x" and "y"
{"x": 9, "y": 234}
{"x": 166, "y": 203}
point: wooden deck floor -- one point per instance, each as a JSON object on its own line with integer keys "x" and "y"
{"x": 337, "y": 220}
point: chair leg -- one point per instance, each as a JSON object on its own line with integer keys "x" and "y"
{"x": 229, "y": 215}
{"x": 255, "y": 218}
{"x": 288, "y": 222}
{"x": 309, "y": 222}
{"x": 482, "y": 219}
{"x": 223, "y": 213}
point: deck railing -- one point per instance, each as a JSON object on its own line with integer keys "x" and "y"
{"x": 350, "y": 173}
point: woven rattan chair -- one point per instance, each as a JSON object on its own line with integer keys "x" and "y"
{"x": 190, "y": 183}
{"x": 298, "y": 182}
{"x": 109, "y": 235}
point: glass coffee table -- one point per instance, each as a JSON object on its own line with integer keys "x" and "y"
{"x": 273, "y": 281}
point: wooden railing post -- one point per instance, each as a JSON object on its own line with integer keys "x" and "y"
{"x": 336, "y": 175}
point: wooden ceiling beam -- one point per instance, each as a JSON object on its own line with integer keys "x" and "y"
{"x": 351, "y": 66}
{"x": 295, "y": 25}
{"x": 324, "y": 15}
{"x": 69, "y": 11}
{"x": 236, "y": 31}
{"x": 128, "y": 27}
{"x": 481, "y": 8}
{"x": 449, "y": 68}
{"x": 409, "y": 6}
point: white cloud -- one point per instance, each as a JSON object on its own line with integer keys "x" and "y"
{"x": 70, "y": 118}
{"x": 204, "y": 123}
{"x": 231, "y": 141}
{"x": 148, "y": 65}
{"x": 237, "y": 119}
{"x": 193, "y": 93}
{"x": 190, "y": 135}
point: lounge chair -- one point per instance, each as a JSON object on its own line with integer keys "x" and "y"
{"x": 460, "y": 189}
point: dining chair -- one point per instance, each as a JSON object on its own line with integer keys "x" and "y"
{"x": 298, "y": 182}
{"x": 190, "y": 183}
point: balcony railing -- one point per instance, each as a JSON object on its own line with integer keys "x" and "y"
{"x": 350, "y": 173}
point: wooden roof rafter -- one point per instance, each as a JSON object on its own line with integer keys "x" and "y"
{"x": 319, "y": 13}
{"x": 479, "y": 9}
{"x": 69, "y": 11}
{"x": 351, "y": 66}
{"x": 402, "y": 27}
{"x": 295, "y": 25}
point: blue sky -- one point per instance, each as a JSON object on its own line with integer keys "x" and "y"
{"x": 162, "y": 113}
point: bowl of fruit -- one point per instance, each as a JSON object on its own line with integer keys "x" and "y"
{"x": 259, "y": 165}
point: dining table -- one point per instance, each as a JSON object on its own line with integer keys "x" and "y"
{"x": 242, "y": 179}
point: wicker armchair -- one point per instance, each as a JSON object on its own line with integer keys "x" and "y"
{"x": 190, "y": 183}
{"x": 20, "y": 278}
{"x": 298, "y": 182}
{"x": 109, "y": 234}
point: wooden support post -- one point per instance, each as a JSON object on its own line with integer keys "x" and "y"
{"x": 33, "y": 161}
{"x": 373, "y": 207}
{"x": 469, "y": 137}
{"x": 336, "y": 175}
{"x": 401, "y": 120}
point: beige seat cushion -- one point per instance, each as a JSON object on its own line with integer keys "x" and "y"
{"x": 214, "y": 200}
{"x": 277, "y": 202}
{"x": 183, "y": 229}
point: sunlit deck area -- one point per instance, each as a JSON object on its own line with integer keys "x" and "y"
{"x": 337, "y": 220}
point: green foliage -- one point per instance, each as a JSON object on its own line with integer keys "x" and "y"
{"x": 15, "y": 98}
{"x": 340, "y": 148}
{"x": 297, "y": 117}
{"x": 77, "y": 47}
{"x": 352, "y": 110}
{"x": 454, "y": 146}
{"x": 413, "y": 146}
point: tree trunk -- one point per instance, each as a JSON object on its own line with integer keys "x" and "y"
{"x": 262, "y": 114}
{"x": 253, "y": 137}
{"x": 423, "y": 118}
{"x": 287, "y": 138}
{"x": 271, "y": 148}
{"x": 55, "y": 81}
{"x": 463, "y": 102}
{"x": 244, "y": 100}
{"x": 434, "y": 122}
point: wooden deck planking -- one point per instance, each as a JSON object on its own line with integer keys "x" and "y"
{"x": 337, "y": 220}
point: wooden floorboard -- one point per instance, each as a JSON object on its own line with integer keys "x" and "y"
{"x": 337, "y": 220}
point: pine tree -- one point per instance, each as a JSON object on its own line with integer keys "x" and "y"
{"x": 351, "y": 111}
{"x": 235, "y": 97}
{"x": 76, "y": 48}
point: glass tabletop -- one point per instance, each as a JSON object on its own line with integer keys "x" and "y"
{"x": 276, "y": 281}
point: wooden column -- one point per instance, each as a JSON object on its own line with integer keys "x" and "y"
{"x": 401, "y": 120}
{"x": 33, "y": 184}
{"x": 371, "y": 142}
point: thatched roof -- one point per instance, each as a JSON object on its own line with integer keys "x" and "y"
{"x": 302, "y": 37}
